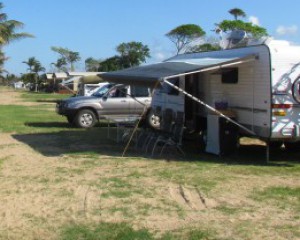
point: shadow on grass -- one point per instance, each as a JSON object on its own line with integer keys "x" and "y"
{"x": 70, "y": 140}
{"x": 49, "y": 125}
{"x": 250, "y": 154}
{"x": 48, "y": 100}
{"x": 63, "y": 124}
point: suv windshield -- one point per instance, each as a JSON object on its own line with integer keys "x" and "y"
{"x": 101, "y": 91}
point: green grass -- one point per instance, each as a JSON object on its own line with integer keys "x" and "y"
{"x": 44, "y": 97}
{"x": 105, "y": 231}
{"x": 123, "y": 231}
{"x": 283, "y": 197}
{"x": 24, "y": 119}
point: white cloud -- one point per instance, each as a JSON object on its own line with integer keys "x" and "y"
{"x": 254, "y": 20}
{"x": 287, "y": 30}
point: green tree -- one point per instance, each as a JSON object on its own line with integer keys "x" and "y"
{"x": 8, "y": 29}
{"x": 8, "y": 33}
{"x": 71, "y": 57}
{"x": 111, "y": 64}
{"x": 34, "y": 68}
{"x": 92, "y": 65}
{"x": 10, "y": 78}
{"x": 206, "y": 47}
{"x": 253, "y": 31}
{"x": 183, "y": 35}
{"x": 60, "y": 64}
{"x": 31, "y": 62}
{"x": 237, "y": 12}
{"x": 132, "y": 53}
{"x": 2, "y": 60}
{"x": 38, "y": 68}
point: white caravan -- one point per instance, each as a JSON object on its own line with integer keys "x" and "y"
{"x": 256, "y": 87}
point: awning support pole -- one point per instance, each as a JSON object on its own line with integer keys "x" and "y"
{"x": 210, "y": 108}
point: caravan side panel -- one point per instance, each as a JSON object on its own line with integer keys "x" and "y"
{"x": 250, "y": 96}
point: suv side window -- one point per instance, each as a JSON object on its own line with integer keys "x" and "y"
{"x": 138, "y": 91}
{"x": 118, "y": 92}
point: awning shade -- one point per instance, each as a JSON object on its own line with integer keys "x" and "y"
{"x": 149, "y": 75}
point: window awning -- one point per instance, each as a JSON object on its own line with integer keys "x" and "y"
{"x": 150, "y": 75}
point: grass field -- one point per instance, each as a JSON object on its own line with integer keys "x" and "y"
{"x": 60, "y": 182}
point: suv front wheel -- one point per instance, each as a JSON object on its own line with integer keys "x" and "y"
{"x": 85, "y": 119}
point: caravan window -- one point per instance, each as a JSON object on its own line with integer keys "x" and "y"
{"x": 169, "y": 89}
{"x": 230, "y": 75}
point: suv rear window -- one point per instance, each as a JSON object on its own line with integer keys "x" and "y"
{"x": 138, "y": 91}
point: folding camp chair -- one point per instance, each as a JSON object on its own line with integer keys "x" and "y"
{"x": 166, "y": 126}
{"x": 146, "y": 132}
{"x": 175, "y": 138}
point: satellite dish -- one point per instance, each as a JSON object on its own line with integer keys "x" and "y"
{"x": 237, "y": 36}
{"x": 232, "y": 39}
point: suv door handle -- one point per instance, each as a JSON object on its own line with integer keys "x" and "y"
{"x": 123, "y": 100}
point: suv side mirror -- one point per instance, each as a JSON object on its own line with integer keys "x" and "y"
{"x": 104, "y": 98}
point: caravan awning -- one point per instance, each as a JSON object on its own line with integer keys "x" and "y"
{"x": 149, "y": 75}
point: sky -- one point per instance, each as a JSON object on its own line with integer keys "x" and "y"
{"x": 95, "y": 27}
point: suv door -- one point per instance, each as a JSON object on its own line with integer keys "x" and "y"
{"x": 141, "y": 98}
{"x": 116, "y": 103}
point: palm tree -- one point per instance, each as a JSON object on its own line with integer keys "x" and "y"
{"x": 34, "y": 68}
{"x": 38, "y": 68}
{"x": 31, "y": 62}
{"x": 60, "y": 64}
{"x": 8, "y": 32}
{"x": 2, "y": 60}
{"x": 8, "y": 29}
{"x": 72, "y": 58}
{"x": 237, "y": 12}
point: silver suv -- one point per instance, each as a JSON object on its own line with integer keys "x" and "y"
{"x": 115, "y": 102}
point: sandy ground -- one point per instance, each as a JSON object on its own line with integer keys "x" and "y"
{"x": 41, "y": 193}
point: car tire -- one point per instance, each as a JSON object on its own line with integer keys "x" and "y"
{"x": 153, "y": 120}
{"x": 85, "y": 119}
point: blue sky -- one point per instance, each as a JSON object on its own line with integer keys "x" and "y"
{"x": 95, "y": 27}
